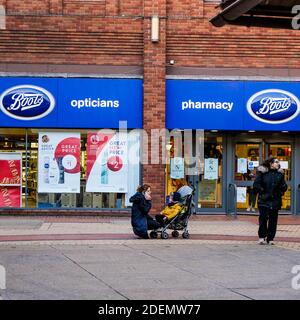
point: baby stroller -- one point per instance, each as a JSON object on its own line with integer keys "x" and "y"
{"x": 179, "y": 222}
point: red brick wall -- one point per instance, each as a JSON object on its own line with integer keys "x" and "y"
{"x": 52, "y": 31}
{"x": 184, "y": 9}
{"x": 27, "y": 7}
{"x": 79, "y": 7}
{"x": 55, "y": 6}
{"x": 193, "y": 41}
{"x": 131, "y": 7}
{"x": 112, "y": 7}
{"x": 154, "y": 97}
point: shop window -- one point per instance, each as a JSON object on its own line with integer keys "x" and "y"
{"x": 42, "y": 168}
{"x": 12, "y": 142}
{"x": 175, "y": 150}
{"x": 208, "y": 180}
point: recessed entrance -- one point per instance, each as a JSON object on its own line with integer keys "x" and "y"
{"x": 232, "y": 159}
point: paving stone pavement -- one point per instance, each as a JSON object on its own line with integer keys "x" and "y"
{"x": 150, "y": 270}
{"x": 99, "y": 258}
{"x": 26, "y": 230}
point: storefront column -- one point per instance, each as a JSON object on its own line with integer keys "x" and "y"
{"x": 296, "y": 173}
{"x": 229, "y": 169}
{"x": 154, "y": 96}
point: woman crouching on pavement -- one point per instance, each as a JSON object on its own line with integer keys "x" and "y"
{"x": 270, "y": 186}
{"x": 141, "y": 221}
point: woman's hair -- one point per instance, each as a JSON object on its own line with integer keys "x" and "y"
{"x": 180, "y": 183}
{"x": 143, "y": 188}
{"x": 267, "y": 163}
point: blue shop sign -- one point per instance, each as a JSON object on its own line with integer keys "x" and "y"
{"x": 233, "y": 105}
{"x": 70, "y": 103}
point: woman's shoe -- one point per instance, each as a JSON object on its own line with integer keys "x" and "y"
{"x": 262, "y": 241}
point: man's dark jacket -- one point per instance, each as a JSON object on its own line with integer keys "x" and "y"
{"x": 270, "y": 186}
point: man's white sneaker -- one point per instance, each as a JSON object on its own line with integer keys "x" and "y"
{"x": 253, "y": 210}
{"x": 262, "y": 241}
{"x": 248, "y": 209}
{"x": 272, "y": 243}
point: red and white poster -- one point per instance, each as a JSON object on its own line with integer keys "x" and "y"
{"x": 59, "y": 162}
{"x": 10, "y": 179}
{"x": 107, "y": 168}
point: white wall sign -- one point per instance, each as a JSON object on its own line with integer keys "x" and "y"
{"x": 211, "y": 169}
{"x": 241, "y": 196}
{"x": 177, "y": 168}
{"x": 242, "y": 165}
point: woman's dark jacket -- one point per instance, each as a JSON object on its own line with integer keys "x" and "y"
{"x": 139, "y": 214}
{"x": 270, "y": 186}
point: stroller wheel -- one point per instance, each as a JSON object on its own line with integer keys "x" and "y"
{"x": 153, "y": 235}
{"x": 175, "y": 234}
{"x": 185, "y": 235}
{"x": 164, "y": 235}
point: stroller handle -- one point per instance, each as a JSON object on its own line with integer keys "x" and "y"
{"x": 193, "y": 187}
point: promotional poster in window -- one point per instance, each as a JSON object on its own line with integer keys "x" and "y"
{"x": 10, "y": 180}
{"x": 59, "y": 162}
{"x": 107, "y": 166}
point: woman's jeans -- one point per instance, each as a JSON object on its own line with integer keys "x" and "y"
{"x": 152, "y": 223}
{"x": 267, "y": 223}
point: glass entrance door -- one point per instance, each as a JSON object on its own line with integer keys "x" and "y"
{"x": 283, "y": 151}
{"x": 209, "y": 184}
{"x": 248, "y": 156}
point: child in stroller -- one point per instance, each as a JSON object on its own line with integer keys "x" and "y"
{"x": 175, "y": 215}
{"x": 171, "y": 210}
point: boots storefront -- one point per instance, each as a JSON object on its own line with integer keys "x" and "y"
{"x": 72, "y": 142}
{"x": 244, "y": 123}
{"x": 64, "y": 143}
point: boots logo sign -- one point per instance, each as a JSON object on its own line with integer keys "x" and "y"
{"x": 26, "y": 102}
{"x": 273, "y": 106}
